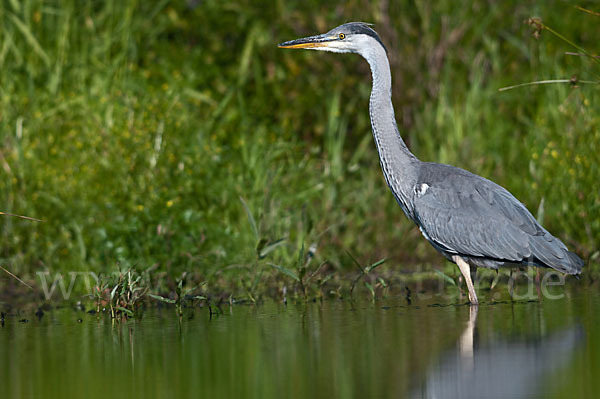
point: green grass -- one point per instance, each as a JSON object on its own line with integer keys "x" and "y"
{"x": 179, "y": 138}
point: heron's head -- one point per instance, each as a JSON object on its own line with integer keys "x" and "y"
{"x": 353, "y": 37}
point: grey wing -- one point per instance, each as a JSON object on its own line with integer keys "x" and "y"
{"x": 466, "y": 214}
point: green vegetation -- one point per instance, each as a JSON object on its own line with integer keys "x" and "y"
{"x": 175, "y": 137}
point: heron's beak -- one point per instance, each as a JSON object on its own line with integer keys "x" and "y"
{"x": 309, "y": 42}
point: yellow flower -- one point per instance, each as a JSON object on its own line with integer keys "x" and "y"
{"x": 169, "y": 203}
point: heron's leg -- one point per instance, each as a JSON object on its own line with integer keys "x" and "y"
{"x": 465, "y": 269}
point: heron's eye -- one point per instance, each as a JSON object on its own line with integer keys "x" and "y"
{"x": 342, "y": 36}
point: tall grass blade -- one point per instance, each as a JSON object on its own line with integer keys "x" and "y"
{"x": 30, "y": 39}
{"x": 125, "y": 310}
{"x": 445, "y": 277}
{"x": 376, "y": 265}
{"x": 285, "y": 271}
{"x": 540, "y": 212}
{"x": 544, "y": 82}
{"x": 356, "y": 262}
{"x": 162, "y": 299}
{"x": 20, "y": 216}
{"x": 594, "y": 13}
{"x": 15, "y": 277}
{"x": 266, "y": 248}
{"x": 250, "y": 218}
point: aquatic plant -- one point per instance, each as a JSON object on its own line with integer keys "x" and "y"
{"x": 183, "y": 296}
{"x": 122, "y": 292}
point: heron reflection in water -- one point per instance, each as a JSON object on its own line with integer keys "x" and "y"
{"x": 501, "y": 367}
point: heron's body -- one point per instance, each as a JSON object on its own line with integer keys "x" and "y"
{"x": 469, "y": 219}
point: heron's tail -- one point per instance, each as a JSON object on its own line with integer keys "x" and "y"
{"x": 569, "y": 264}
{"x": 550, "y": 252}
{"x": 575, "y": 263}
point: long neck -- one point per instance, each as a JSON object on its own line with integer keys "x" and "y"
{"x": 399, "y": 165}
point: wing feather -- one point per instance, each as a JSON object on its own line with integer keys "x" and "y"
{"x": 459, "y": 212}
{"x": 475, "y": 217}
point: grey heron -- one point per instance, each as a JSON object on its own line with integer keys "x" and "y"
{"x": 471, "y": 220}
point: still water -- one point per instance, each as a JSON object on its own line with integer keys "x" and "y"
{"x": 386, "y": 348}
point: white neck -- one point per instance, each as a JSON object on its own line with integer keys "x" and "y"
{"x": 399, "y": 165}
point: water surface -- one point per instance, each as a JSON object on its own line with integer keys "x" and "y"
{"x": 386, "y": 348}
